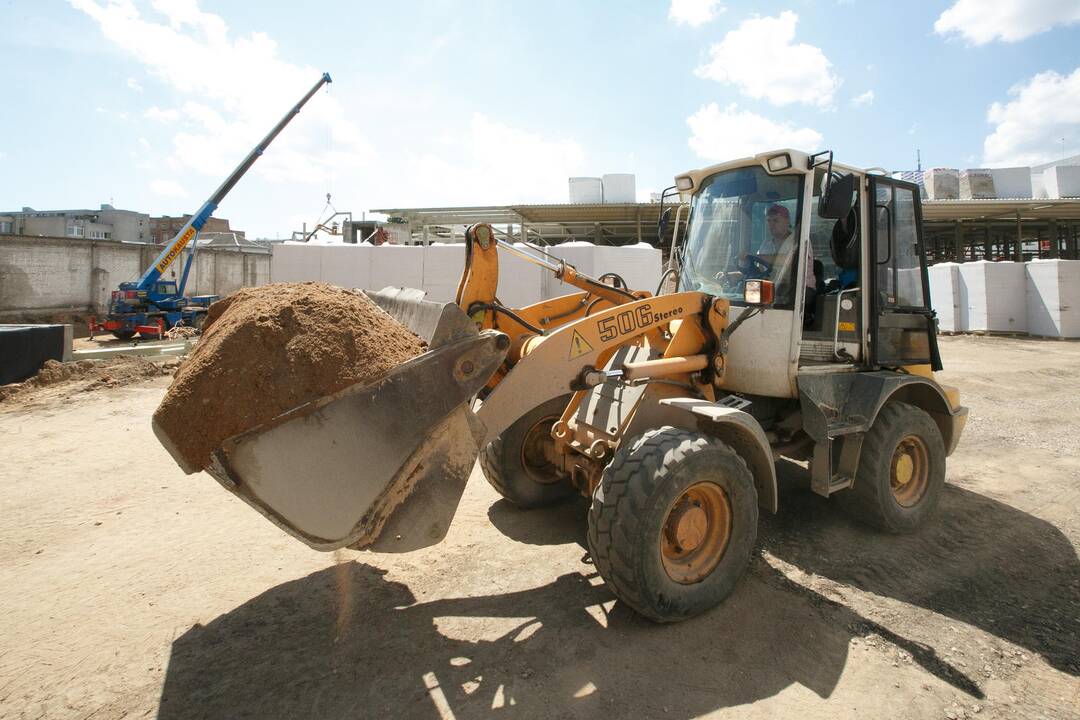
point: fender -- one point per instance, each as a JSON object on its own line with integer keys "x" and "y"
{"x": 859, "y": 397}
{"x": 743, "y": 433}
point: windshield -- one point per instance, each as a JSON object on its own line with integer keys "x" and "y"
{"x": 743, "y": 225}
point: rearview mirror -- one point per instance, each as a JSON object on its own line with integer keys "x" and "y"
{"x": 838, "y": 198}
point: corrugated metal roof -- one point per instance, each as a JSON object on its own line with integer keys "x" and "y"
{"x": 649, "y": 213}
{"x": 561, "y": 213}
{"x": 1003, "y": 209}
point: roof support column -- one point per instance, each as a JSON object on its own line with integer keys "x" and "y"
{"x": 1071, "y": 232}
{"x": 1019, "y": 257}
{"x": 1054, "y": 238}
{"x": 958, "y": 241}
{"x": 637, "y": 219}
{"x": 988, "y": 245}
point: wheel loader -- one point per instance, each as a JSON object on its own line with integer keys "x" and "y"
{"x": 798, "y": 325}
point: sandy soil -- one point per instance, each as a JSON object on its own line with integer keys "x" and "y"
{"x": 130, "y": 590}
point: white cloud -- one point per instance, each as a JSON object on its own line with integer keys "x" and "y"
{"x": 167, "y": 188}
{"x": 1029, "y": 128}
{"x": 134, "y": 85}
{"x": 165, "y": 116}
{"x": 731, "y": 133}
{"x": 694, "y": 12}
{"x": 913, "y": 129}
{"x": 243, "y": 87}
{"x": 760, "y": 60}
{"x": 866, "y": 98}
{"x": 494, "y": 163}
{"x": 982, "y": 21}
{"x": 232, "y": 89}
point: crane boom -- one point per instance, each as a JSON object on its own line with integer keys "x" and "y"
{"x": 198, "y": 220}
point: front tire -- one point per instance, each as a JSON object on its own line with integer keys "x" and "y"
{"x": 673, "y": 522}
{"x": 901, "y": 470}
{"x": 515, "y": 465}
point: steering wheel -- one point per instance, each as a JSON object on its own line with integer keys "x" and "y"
{"x": 755, "y": 267}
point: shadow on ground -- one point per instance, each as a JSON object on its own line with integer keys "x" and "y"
{"x": 561, "y": 650}
{"x": 558, "y": 524}
{"x": 979, "y": 561}
{"x": 347, "y": 642}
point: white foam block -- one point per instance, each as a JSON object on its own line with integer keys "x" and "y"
{"x": 520, "y": 281}
{"x": 1053, "y": 298}
{"x": 996, "y": 294}
{"x": 347, "y": 265}
{"x": 1014, "y": 182}
{"x": 295, "y": 262}
{"x": 639, "y": 264}
{"x": 945, "y": 296}
{"x": 443, "y": 263}
{"x": 578, "y": 253}
{"x": 1062, "y": 181}
{"x": 397, "y": 266}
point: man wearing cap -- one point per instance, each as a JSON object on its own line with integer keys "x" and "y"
{"x": 779, "y": 248}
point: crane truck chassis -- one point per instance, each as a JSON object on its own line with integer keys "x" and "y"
{"x": 669, "y": 411}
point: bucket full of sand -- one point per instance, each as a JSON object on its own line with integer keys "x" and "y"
{"x": 329, "y": 416}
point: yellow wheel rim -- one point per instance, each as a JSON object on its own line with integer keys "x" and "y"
{"x": 909, "y": 471}
{"x": 696, "y": 531}
{"x": 534, "y": 457}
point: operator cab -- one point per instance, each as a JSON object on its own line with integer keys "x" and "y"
{"x": 841, "y": 251}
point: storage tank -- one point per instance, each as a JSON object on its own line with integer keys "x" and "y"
{"x": 586, "y": 190}
{"x": 619, "y": 188}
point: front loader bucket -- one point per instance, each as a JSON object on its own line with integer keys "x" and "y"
{"x": 380, "y": 466}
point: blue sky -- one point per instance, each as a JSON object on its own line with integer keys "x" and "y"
{"x": 150, "y": 104}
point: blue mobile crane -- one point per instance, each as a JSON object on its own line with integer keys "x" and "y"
{"x": 150, "y": 305}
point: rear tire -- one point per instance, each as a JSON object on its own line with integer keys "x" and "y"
{"x": 514, "y": 463}
{"x": 673, "y": 522}
{"x": 901, "y": 471}
{"x": 124, "y": 335}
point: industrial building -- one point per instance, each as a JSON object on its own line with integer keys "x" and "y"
{"x": 105, "y": 223}
{"x": 164, "y": 228}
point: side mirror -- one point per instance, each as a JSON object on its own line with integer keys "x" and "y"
{"x": 662, "y": 225}
{"x": 838, "y": 198}
{"x": 759, "y": 292}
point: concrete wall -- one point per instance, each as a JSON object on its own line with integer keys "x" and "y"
{"x": 69, "y": 274}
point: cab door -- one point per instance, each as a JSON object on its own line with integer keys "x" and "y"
{"x": 902, "y": 327}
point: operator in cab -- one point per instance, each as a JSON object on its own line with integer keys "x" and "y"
{"x": 779, "y": 249}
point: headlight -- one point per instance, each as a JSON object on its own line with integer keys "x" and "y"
{"x": 778, "y": 162}
{"x": 684, "y": 182}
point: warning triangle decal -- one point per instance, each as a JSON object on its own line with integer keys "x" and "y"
{"x": 579, "y": 346}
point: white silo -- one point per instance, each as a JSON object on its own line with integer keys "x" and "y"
{"x": 619, "y": 188}
{"x": 586, "y": 190}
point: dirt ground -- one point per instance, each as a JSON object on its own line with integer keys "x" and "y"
{"x": 128, "y": 589}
